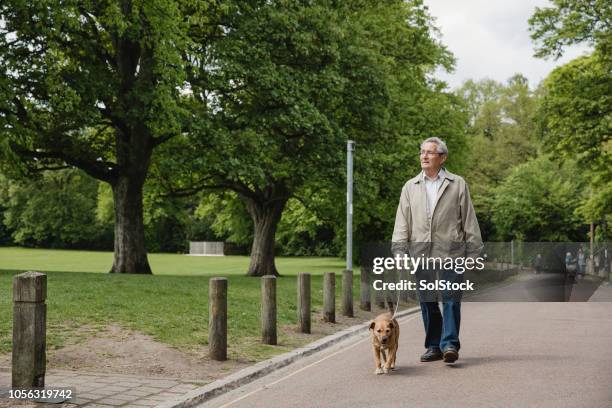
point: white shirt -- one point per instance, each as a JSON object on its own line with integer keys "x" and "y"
{"x": 432, "y": 187}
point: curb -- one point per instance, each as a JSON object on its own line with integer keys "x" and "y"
{"x": 249, "y": 374}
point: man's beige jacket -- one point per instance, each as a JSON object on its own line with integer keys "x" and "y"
{"x": 453, "y": 223}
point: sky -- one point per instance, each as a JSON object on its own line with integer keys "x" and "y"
{"x": 490, "y": 39}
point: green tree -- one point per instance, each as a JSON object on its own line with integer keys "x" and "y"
{"x": 293, "y": 80}
{"x": 570, "y": 22}
{"x": 97, "y": 85}
{"x": 5, "y": 233}
{"x": 227, "y": 217}
{"x": 482, "y": 99}
{"x": 501, "y": 135}
{"x": 169, "y": 222}
{"x": 575, "y": 112}
{"x": 576, "y": 124}
{"x": 538, "y": 202}
{"x": 56, "y": 210}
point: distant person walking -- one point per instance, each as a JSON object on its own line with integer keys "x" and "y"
{"x": 537, "y": 263}
{"x": 581, "y": 259}
{"x": 570, "y": 266}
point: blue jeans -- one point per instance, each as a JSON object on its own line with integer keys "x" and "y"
{"x": 441, "y": 330}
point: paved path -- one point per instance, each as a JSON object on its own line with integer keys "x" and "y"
{"x": 603, "y": 293}
{"x": 513, "y": 355}
{"x": 543, "y": 287}
{"x": 109, "y": 390}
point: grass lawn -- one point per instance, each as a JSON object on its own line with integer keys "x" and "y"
{"x": 170, "y": 305}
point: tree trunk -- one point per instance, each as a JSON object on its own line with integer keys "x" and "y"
{"x": 265, "y": 219}
{"x": 130, "y": 249}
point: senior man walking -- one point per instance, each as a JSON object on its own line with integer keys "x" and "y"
{"x": 435, "y": 209}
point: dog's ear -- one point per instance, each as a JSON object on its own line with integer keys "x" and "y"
{"x": 391, "y": 325}
{"x": 372, "y": 325}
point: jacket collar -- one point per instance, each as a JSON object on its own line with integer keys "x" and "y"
{"x": 447, "y": 175}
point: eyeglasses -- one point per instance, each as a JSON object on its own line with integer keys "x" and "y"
{"x": 426, "y": 153}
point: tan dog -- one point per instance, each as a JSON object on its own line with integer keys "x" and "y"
{"x": 385, "y": 337}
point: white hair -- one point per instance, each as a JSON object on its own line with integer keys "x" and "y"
{"x": 439, "y": 142}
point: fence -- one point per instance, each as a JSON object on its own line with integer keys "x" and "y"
{"x": 218, "y": 308}
{"x": 29, "y": 318}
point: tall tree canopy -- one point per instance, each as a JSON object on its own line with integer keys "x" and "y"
{"x": 537, "y": 202}
{"x": 576, "y": 110}
{"x": 97, "y": 85}
{"x": 291, "y": 81}
{"x": 576, "y": 123}
{"x": 570, "y": 22}
{"x": 57, "y": 210}
{"x": 501, "y": 135}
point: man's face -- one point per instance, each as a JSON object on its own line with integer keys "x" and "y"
{"x": 430, "y": 158}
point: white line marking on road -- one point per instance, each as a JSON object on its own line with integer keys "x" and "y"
{"x": 263, "y": 387}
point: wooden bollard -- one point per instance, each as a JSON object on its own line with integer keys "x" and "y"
{"x": 268, "y": 309}
{"x": 29, "y": 330}
{"x": 303, "y": 301}
{"x": 217, "y": 318}
{"x": 347, "y": 293}
{"x": 329, "y": 297}
{"x": 364, "y": 290}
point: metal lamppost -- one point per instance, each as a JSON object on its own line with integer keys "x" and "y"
{"x": 350, "y": 148}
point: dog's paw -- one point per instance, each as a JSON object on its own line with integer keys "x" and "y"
{"x": 392, "y": 367}
{"x": 385, "y": 370}
{"x": 378, "y": 371}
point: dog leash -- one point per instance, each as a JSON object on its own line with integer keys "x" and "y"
{"x": 398, "y": 299}
{"x": 396, "y": 304}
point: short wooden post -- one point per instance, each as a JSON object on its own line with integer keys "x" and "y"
{"x": 329, "y": 297}
{"x": 29, "y": 330}
{"x": 364, "y": 290}
{"x": 347, "y": 293}
{"x": 268, "y": 309}
{"x": 217, "y": 315}
{"x": 303, "y": 301}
